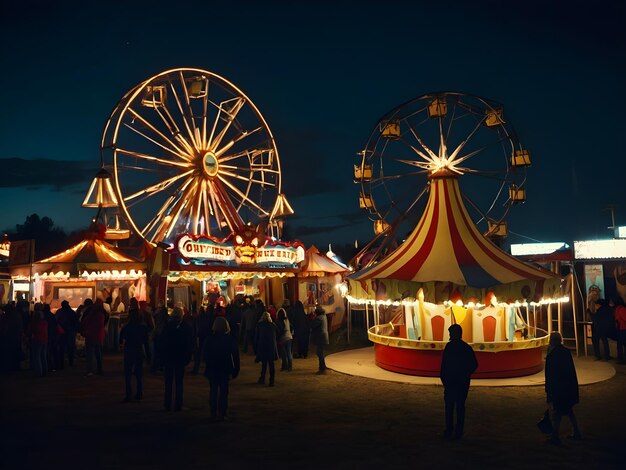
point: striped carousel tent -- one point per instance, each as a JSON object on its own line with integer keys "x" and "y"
{"x": 446, "y": 248}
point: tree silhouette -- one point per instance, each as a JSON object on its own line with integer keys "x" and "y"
{"x": 49, "y": 239}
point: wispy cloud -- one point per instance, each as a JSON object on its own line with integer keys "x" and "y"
{"x": 33, "y": 175}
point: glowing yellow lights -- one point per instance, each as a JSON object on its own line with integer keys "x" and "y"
{"x": 210, "y": 164}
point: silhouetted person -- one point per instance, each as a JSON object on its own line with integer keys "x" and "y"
{"x": 11, "y": 329}
{"x": 161, "y": 318}
{"x": 177, "y": 347}
{"x": 458, "y": 363}
{"x": 249, "y": 320}
{"x": 221, "y": 355}
{"x": 134, "y": 338}
{"x": 92, "y": 324}
{"x": 266, "y": 349}
{"x": 620, "y": 324}
{"x": 68, "y": 319}
{"x": 561, "y": 386}
{"x": 203, "y": 330}
{"x": 301, "y": 330}
{"x": 601, "y": 323}
{"x": 37, "y": 332}
{"x": 54, "y": 337}
{"x": 284, "y": 335}
{"x": 319, "y": 336}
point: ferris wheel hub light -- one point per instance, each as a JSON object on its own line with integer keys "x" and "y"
{"x": 210, "y": 164}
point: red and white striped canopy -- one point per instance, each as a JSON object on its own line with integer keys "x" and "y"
{"x": 446, "y": 246}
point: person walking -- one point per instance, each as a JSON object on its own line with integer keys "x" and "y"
{"x": 177, "y": 347}
{"x": 301, "y": 330}
{"x": 266, "y": 349}
{"x": 68, "y": 319}
{"x": 561, "y": 387}
{"x": 134, "y": 339}
{"x": 458, "y": 363}
{"x": 285, "y": 338}
{"x": 92, "y": 324}
{"x": 221, "y": 356}
{"x": 620, "y": 324}
{"x": 319, "y": 336}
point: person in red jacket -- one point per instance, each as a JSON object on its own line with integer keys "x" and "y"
{"x": 37, "y": 332}
{"x": 93, "y": 330}
{"x": 620, "y": 323}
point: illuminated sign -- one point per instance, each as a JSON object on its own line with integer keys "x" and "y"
{"x": 522, "y": 249}
{"x": 204, "y": 248}
{"x": 600, "y": 249}
{"x": 198, "y": 250}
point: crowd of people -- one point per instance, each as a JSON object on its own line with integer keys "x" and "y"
{"x": 167, "y": 339}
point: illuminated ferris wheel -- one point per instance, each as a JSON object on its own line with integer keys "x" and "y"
{"x": 190, "y": 153}
{"x": 462, "y": 134}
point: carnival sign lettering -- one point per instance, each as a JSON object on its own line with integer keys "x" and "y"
{"x": 277, "y": 254}
{"x": 203, "y": 248}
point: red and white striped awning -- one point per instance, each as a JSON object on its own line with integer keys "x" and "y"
{"x": 447, "y": 246}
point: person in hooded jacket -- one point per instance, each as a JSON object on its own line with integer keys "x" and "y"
{"x": 458, "y": 363}
{"x": 602, "y": 321}
{"x": 266, "y": 348}
{"x": 134, "y": 338}
{"x": 221, "y": 356}
{"x": 68, "y": 319}
{"x": 561, "y": 387}
{"x": 177, "y": 348}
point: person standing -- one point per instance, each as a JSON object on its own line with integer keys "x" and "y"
{"x": 319, "y": 336}
{"x": 221, "y": 356}
{"x": 266, "y": 349}
{"x": 68, "y": 319}
{"x": 561, "y": 387}
{"x": 92, "y": 324}
{"x": 458, "y": 363}
{"x": 161, "y": 318}
{"x": 177, "y": 347}
{"x": 620, "y": 324}
{"x": 285, "y": 338}
{"x": 54, "y": 337}
{"x": 601, "y": 323}
{"x": 248, "y": 324}
{"x": 134, "y": 338}
{"x": 301, "y": 330}
{"x": 37, "y": 332}
{"x": 203, "y": 330}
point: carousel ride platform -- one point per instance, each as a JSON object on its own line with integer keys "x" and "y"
{"x": 361, "y": 362}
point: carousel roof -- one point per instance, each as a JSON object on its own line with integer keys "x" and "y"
{"x": 317, "y": 264}
{"x": 446, "y": 246}
{"x": 90, "y": 251}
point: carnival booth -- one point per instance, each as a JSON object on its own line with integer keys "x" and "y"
{"x": 91, "y": 269}
{"x": 446, "y": 271}
{"x": 319, "y": 281}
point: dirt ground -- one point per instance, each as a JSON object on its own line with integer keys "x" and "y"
{"x": 67, "y": 420}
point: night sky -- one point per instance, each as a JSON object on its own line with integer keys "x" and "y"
{"x": 322, "y": 75}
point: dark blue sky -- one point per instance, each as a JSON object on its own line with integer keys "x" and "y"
{"x": 322, "y": 75}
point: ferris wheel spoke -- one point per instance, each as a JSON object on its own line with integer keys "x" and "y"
{"x": 243, "y": 197}
{"x": 143, "y": 156}
{"x": 159, "y": 217}
{"x": 250, "y": 179}
{"x": 243, "y": 135}
{"x": 185, "y": 112}
{"x": 175, "y": 150}
{"x": 160, "y": 186}
{"x": 231, "y": 114}
{"x": 416, "y": 163}
{"x": 458, "y": 149}
{"x": 499, "y": 175}
{"x": 432, "y": 156}
{"x": 403, "y": 175}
